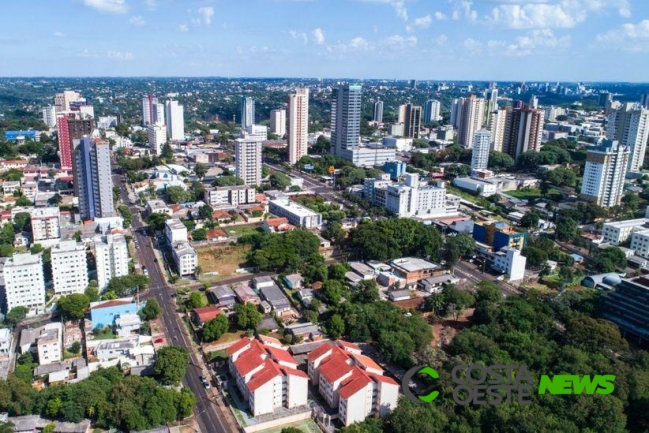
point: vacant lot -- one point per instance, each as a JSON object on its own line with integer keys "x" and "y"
{"x": 526, "y": 194}
{"x": 242, "y": 231}
{"x": 224, "y": 259}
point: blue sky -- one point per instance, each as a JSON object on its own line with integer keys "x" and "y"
{"x": 576, "y": 40}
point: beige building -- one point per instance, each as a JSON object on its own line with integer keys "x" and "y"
{"x": 297, "y": 129}
{"x": 46, "y": 224}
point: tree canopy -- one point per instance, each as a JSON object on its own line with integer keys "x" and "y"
{"x": 171, "y": 364}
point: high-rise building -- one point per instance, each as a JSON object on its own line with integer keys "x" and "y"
{"x": 378, "y": 112}
{"x": 24, "y": 282}
{"x": 46, "y": 224}
{"x": 111, "y": 256}
{"x": 471, "y": 119}
{"x": 278, "y": 122}
{"x": 159, "y": 113}
{"x": 456, "y": 107}
{"x": 496, "y": 126}
{"x": 606, "y": 167}
{"x": 70, "y": 129}
{"x": 604, "y": 98}
{"x": 401, "y": 117}
{"x": 149, "y": 107}
{"x": 157, "y": 137}
{"x": 49, "y": 116}
{"x": 247, "y": 155}
{"x": 644, "y": 100}
{"x": 432, "y": 111}
{"x": 481, "y": 147}
{"x": 629, "y": 125}
{"x": 297, "y": 128}
{"x": 175, "y": 121}
{"x": 69, "y": 268}
{"x": 345, "y": 118}
{"x": 412, "y": 125}
{"x": 523, "y": 131}
{"x": 247, "y": 112}
{"x": 63, "y": 101}
{"x": 534, "y": 102}
{"x": 93, "y": 182}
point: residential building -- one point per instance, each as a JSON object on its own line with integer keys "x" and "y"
{"x": 412, "y": 123}
{"x": 278, "y": 122}
{"x": 149, "y": 108}
{"x": 523, "y": 130}
{"x": 245, "y": 294}
{"x": 247, "y": 155}
{"x": 255, "y": 132}
{"x": 24, "y": 282}
{"x": 345, "y": 119}
{"x": 497, "y": 234}
{"x": 46, "y": 224}
{"x": 481, "y": 148}
{"x": 126, "y": 324}
{"x": 297, "y": 127}
{"x": 157, "y": 133}
{"x": 640, "y": 243}
{"x": 470, "y": 118}
{"x": 378, "y": 112}
{"x": 202, "y": 315}
{"x": 158, "y": 206}
{"x": 175, "y": 119}
{"x": 626, "y": 306}
{"x": 69, "y": 268}
{"x": 267, "y": 376}
{"x": 413, "y": 269}
{"x": 275, "y": 297}
{"x": 230, "y": 196}
{"x": 94, "y": 183}
{"x": 64, "y": 100}
{"x": 510, "y": 262}
{"x": 606, "y": 168}
{"x": 295, "y": 213}
{"x": 247, "y": 112}
{"x": 104, "y": 313}
{"x": 618, "y": 232}
{"x": 395, "y": 169}
{"x": 351, "y": 382}
{"x": 185, "y": 257}
{"x": 175, "y": 231}
{"x": 6, "y": 342}
{"x": 49, "y": 343}
{"x": 223, "y": 296}
{"x": 497, "y": 122}
{"x": 628, "y": 124}
{"x": 49, "y": 116}
{"x": 432, "y": 111}
{"x": 111, "y": 257}
{"x": 69, "y": 129}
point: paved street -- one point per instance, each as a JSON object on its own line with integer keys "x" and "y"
{"x": 207, "y": 411}
{"x": 471, "y": 272}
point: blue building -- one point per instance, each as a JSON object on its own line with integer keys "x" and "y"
{"x": 104, "y": 313}
{"x": 31, "y": 135}
{"x": 395, "y": 169}
{"x": 498, "y": 234}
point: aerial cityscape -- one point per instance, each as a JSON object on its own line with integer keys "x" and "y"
{"x": 353, "y": 216}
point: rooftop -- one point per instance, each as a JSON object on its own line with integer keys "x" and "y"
{"x": 175, "y": 224}
{"x": 413, "y": 264}
{"x": 293, "y": 207}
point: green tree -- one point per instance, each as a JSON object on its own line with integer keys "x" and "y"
{"x": 332, "y": 292}
{"x": 74, "y": 306}
{"x": 92, "y": 291}
{"x": 500, "y": 162}
{"x": 215, "y": 328}
{"x": 176, "y": 194}
{"x": 279, "y": 181}
{"x": 248, "y": 317}
{"x": 336, "y": 326}
{"x": 171, "y": 364}
{"x": 196, "y": 300}
{"x": 15, "y": 315}
{"x": 228, "y": 181}
{"x": 157, "y": 221}
{"x": 530, "y": 219}
{"x": 167, "y": 153}
{"x": 200, "y": 170}
{"x": 75, "y": 348}
{"x": 566, "y": 229}
{"x": 535, "y": 256}
{"x": 205, "y": 212}
{"x": 22, "y": 222}
{"x": 24, "y": 201}
{"x": 151, "y": 310}
{"x": 199, "y": 234}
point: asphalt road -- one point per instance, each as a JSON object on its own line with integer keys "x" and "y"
{"x": 471, "y": 272}
{"x": 205, "y": 410}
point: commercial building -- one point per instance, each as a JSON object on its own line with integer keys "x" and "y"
{"x": 175, "y": 117}
{"x": 175, "y": 231}
{"x": 157, "y": 134}
{"x": 351, "y": 382}
{"x": 24, "y": 282}
{"x": 278, "y": 122}
{"x": 111, "y": 257}
{"x": 296, "y": 214}
{"x": 412, "y": 123}
{"x": 247, "y": 112}
{"x": 629, "y": 125}
{"x": 49, "y": 116}
{"x": 370, "y": 156}
{"x": 267, "y": 376}
{"x": 345, "y": 119}
{"x": 247, "y": 155}
{"x": 606, "y": 168}
{"x": 46, "y": 224}
{"x": 378, "y": 112}
{"x": 69, "y": 268}
{"x": 69, "y": 129}
{"x": 618, "y": 232}
{"x": 432, "y": 111}
{"x": 523, "y": 130}
{"x": 104, "y": 313}
{"x": 481, "y": 148}
{"x": 469, "y": 118}
{"x": 297, "y": 129}
{"x": 185, "y": 257}
{"x": 626, "y": 306}
{"x": 94, "y": 184}
{"x": 412, "y": 269}
{"x": 484, "y": 188}
{"x": 497, "y": 235}
{"x": 510, "y": 262}
{"x": 395, "y": 169}
{"x": 227, "y": 196}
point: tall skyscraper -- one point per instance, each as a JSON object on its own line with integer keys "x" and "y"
{"x": 378, "y": 111}
{"x": 297, "y": 129}
{"x": 24, "y": 282}
{"x": 93, "y": 182}
{"x": 149, "y": 108}
{"x": 432, "y": 111}
{"x": 496, "y": 126}
{"x": 247, "y": 156}
{"x": 523, "y": 131}
{"x": 534, "y": 102}
{"x": 70, "y": 129}
{"x": 278, "y": 122}
{"x": 247, "y": 112}
{"x": 401, "y": 118}
{"x": 69, "y": 268}
{"x": 157, "y": 137}
{"x": 604, "y": 98}
{"x": 471, "y": 119}
{"x": 175, "y": 114}
{"x": 606, "y": 167}
{"x": 644, "y": 100}
{"x": 62, "y": 101}
{"x": 111, "y": 256}
{"x": 629, "y": 125}
{"x": 345, "y": 117}
{"x": 159, "y": 113}
{"x": 456, "y": 107}
{"x": 481, "y": 147}
{"x": 49, "y": 116}
{"x": 412, "y": 125}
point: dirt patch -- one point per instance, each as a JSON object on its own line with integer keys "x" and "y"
{"x": 444, "y": 330}
{"x": 224, "y": 259}
{"x": 409, "y": 304}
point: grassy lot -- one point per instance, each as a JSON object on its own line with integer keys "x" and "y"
{"x": 526, "y": 194}
{"x": 307, "y": 426}
{"x": 224, "y": 259}
{"x": 242, "y": 231}
{"x": 219, "y": 355}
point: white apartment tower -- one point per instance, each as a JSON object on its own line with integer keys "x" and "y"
{"x": 63, "y": 100}
{"x": 629, "y": 125}
{"x": 149, "y": 108}
{"x": 471, "y": 117}
{"x": 378, "y": 112}
{"x": 481, "y": 147}
{"x": 432, "y": 111}
{"x": 175, "y": 117}
{"x": 297, "y": 129}
{"x": 497, "y": 122}
{"x": 247, "y": 112}
{"x": 49, "y": 116}
{"x": 24, "y": 282}
{"x": 69, "y": 268}
{"x": 606, "y": 168}
{"x": 111, "y": 255}
{"x": 247, "y": 155}
{"x": 157, "y": 137}
{"x": 46, "y": 223}
{"x": 278, "y": 122}
{"x": 346, "y": 118}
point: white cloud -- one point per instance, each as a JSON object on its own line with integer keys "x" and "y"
{"x": 355, "y": 44}
{"x": 628, "y": 37}
{"x": 420, "y": 23}
{"x": 472, "y": 46}
{"x": 110, "y": 6}
{"x": 183, "y": 27}
{"x": 529, "y": 44}
{"x": 439, "y": 16}
{"x": 463, "y": 9}
{"x": 137, "y": 20}
{"x": 151, "y": 4}
{"x": 58, "y": 34}
{"x": 441, "y": 39}
{"x": 112, "y": 55}
{"x": 297, "y": 35}
{"x": 318, "y": 36}
{"x": 119, "y": 55}
{"x": 399, "y": 6}
{"x": 359, "y": 44}
{"x": 206, "y": 13}
{"x": 398, "y": 41}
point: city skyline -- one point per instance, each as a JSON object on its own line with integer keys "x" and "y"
{"x": 544, "y": 40}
